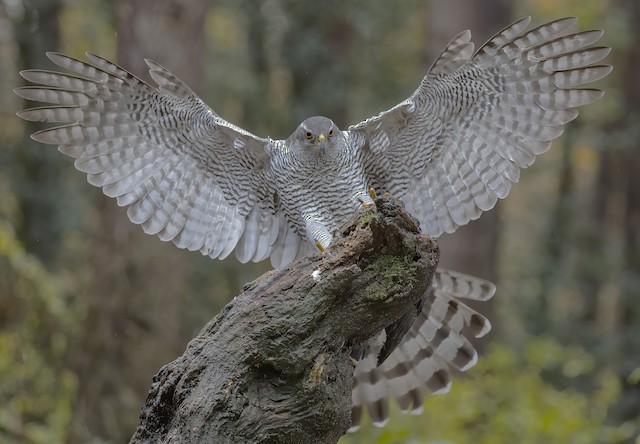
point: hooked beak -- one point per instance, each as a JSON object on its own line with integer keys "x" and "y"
{"x": 322, "y": 142}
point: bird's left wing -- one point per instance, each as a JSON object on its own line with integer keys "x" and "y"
{"x": 184, "y": 173}
{"x": 458, "y": 143}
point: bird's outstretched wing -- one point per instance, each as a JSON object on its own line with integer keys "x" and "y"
{"x": 458, "y": 143}
{"x": 184, "y": 173}
{"x": 422, "y": 361}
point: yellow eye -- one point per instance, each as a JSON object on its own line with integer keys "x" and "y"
{"x": 309, "y": 136}
{"x": 331, "y": 133}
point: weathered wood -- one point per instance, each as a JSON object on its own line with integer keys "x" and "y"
{"x": 274, "y": 366}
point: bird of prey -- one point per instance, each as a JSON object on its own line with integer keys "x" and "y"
{"x": 449, "y": 151}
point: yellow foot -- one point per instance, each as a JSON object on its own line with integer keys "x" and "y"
{"x": 320, "y": 247}
{"x": 373, "y": 195}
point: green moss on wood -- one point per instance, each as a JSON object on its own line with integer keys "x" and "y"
{"x": 366, "y": 219}
{"x": 390, "y": 272}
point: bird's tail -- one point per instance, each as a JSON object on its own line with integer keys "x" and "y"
{"x": 422, "y": 361}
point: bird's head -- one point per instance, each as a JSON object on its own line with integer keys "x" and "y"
{"x": 318, "y": 134}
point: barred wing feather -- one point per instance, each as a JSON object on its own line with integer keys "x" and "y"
{"x": 184, "y": 173}
{"x": 454, "y": 147}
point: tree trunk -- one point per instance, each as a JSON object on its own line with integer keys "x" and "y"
{"x": 274, "y": 366}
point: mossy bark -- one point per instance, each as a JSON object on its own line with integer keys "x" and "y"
{"x": 274, "y": 366}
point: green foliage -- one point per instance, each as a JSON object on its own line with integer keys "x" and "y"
{"x": 37, "y": 395}
{"x": 507, "y": 399}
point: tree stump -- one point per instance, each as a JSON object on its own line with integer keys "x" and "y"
{"x": 274, "y": 365}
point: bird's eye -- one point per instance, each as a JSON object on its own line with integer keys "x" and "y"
{"x": 309, "y": 136}
{"x": 331, "y": 133}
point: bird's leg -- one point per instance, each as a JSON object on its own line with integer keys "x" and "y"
{"x": 318, "y": 233}
{"x": 372, "y": 194}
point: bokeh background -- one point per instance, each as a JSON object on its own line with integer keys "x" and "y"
{"x": 91, "y": 308}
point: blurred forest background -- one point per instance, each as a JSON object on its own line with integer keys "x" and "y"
{"x": 91, "y": 308}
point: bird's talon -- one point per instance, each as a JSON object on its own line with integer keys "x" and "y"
{"x": 373, "y": 193}
{"x": 320, "y": 247}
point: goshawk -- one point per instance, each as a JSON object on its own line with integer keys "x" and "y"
{"x": 450, "y": 151}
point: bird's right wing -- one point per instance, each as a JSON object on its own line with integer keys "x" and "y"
{"x": 456, "y": 145}
{"x": 184, "y": 173}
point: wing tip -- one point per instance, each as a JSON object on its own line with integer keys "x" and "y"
{"x": 18, "y": 91}
{"x": 569, "y": 20}
{"x": 92, "y": 56}
{"x": 24, "y": 73}
{"x": 27, "y": 114}
{"x": 596, "y": 94}
{"x": 598, "y": 32}
{"x": 526, "y": 19}
{"x": 53, "y": 55}
{"x": 42, "y": 137}
{"x": 153, "y": 65}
